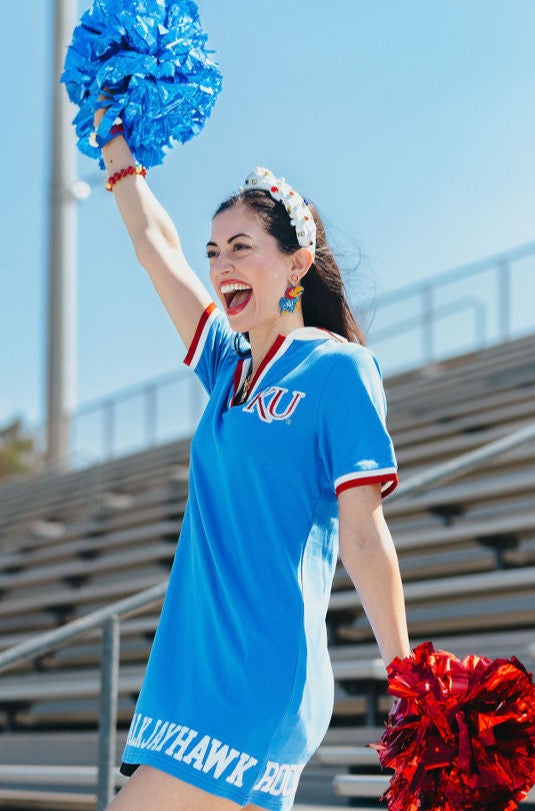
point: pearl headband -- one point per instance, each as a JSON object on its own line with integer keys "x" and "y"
{"x": 297, "y": 208}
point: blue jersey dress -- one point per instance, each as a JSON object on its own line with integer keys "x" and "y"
{"x": 238, "y": 691}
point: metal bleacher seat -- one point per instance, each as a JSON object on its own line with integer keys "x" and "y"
{"x": 74, "y": 497}
{"x": 464, "y": 378}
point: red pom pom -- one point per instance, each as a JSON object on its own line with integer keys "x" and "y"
{"x": 461, "y": 736}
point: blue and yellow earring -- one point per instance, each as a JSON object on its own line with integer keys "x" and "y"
{"x": 291, "y": 300}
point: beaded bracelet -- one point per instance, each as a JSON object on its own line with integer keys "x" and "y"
{"x": 137, "y": 169}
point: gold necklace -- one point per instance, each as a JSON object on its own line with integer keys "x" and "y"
{"x": 246, "y": 385}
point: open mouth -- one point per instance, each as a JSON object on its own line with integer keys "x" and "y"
{"x": 236, "y": 295}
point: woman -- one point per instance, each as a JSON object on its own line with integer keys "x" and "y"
{"x": 238, "y": 691}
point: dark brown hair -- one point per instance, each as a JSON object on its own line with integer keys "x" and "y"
{"x": 324, "y": 298}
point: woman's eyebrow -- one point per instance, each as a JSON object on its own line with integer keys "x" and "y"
{"x": 230, "y": 239}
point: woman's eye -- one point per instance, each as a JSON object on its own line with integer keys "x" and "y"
{"x": 238, "y": 246}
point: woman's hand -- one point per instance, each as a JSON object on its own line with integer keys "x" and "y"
{"x": 101, "y": 112}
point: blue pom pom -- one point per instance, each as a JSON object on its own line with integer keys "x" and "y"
{"x": 152, "y": 57}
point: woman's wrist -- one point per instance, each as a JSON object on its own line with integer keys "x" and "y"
{"x": 116, "y": 155}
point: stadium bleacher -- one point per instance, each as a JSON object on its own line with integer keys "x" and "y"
{"x": 73, "y": 542}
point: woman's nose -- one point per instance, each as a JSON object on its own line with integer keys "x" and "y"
{"x": 222, "y": 263}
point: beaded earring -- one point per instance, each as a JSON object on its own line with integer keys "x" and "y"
{"x": 291, "y": 300}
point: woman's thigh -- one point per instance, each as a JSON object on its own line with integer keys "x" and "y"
{"x": 150, "y": 789}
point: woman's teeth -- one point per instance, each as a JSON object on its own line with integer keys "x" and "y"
{"x": 235, "y": 294}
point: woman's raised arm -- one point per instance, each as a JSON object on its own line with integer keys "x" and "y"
{"x": 156, "y": 242}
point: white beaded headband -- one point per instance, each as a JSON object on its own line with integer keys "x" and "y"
{"x": 300, "y": 214}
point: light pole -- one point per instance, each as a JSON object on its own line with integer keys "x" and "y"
{"x": 63, "y": 248}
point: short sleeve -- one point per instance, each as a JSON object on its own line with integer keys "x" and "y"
{"x": 212, "y": 344}
{"x": 354, "y": 443}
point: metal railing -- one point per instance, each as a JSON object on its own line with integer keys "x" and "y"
{"x": 165, "y": 408}
{"x": 484, "y": 288}
{"x": 108, "y": 618}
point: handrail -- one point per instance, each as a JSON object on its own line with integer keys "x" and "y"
{"x": 37, "y": 646}
{"x": 108, "y": 617}
{"x": 462, "y": 464}
{"x": 461, "y": 272}
{"x": 472, "y": 303}
{"x": 498, "y": 305}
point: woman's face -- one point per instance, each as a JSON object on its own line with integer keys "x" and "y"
{"x": 248, "y": 271}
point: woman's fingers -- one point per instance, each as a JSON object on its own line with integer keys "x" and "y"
{"x": 105, "y": 95}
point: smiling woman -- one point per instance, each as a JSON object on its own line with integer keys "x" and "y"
{"x": 238, "y": 691}
{"x": 250, "y": 274}
{"x": 324, "y": 301}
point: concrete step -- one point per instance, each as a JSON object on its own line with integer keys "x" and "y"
{"x": 48, "y": 775}
{"x": 372, "y": 786}
{"x": 27, "y": 800}
{"x": 73, "y": 787}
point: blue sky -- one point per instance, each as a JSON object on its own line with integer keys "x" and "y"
{"x": 409, "y": 122}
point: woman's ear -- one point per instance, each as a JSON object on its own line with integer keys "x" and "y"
{"x": 302, "y": 259}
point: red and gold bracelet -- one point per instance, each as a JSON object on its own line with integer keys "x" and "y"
{"x": 137, "y": 169}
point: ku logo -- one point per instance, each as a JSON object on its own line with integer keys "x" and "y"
{"x": 274, "y": 404}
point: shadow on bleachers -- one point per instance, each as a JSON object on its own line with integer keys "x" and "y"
{"x": 70, "y": 543}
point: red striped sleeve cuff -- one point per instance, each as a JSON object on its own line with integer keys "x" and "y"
{"x": 387, "y": 477}
{"x": 201, "y": 333}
